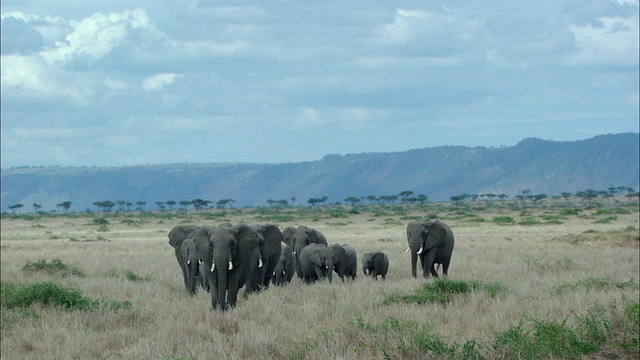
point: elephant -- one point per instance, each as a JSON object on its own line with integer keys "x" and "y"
{"x": 375, "y": 263}
{"x": 191, "y": 261}
{"x": 228, "y": 254}
{"x": 299, "y": 238}
{"x": 316, "y": 261}
{"x": 269, "y": 249}
{"x": 433, "y": 242}
{"x": 286, "y": 267}
{"x": 177, "y": 236}
{"x": 347, "y": 264}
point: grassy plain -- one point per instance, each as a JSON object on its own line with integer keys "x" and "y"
{"x": 533, "y": 279}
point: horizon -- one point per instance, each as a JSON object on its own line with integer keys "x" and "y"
{"x": 290, "y": 162}
{"x": 128, "y": 83}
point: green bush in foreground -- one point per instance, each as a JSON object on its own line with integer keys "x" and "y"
{"x": 49, "y": 293}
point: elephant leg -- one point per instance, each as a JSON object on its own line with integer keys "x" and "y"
{"x": 232, "y": 293}
{"x": 434, "y": 273}
{"x": 428, "y": 263}
{"x": 445, "y": 268}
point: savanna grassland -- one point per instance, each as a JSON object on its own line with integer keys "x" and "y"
{"x": 551, "y": 281}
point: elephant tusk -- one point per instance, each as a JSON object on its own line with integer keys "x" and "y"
{"x": 406, "y": 251}
{"x": 188, "y": 262}
{"x": 420, "y": 251}
{"x": 213, "y": 267}
{"x": 200, "y": 262}
{"x": 259, "y": 263}
{"x": 230, "y": 265}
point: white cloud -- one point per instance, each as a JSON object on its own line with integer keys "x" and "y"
{"x": 308, "y": 117}
{"x": 23, "y": 72}
{"x": 96, "y": 36}
{"x": 615, "y": 42}
{"x": 157, "y": 81}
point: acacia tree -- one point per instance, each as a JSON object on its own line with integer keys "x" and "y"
{"x": 171, "y": 204}
{"x": 36, "y": 207}
{"x": 185, "y": 204}
{"x": 15, "y": 207}
{"x": 352, "y": 200}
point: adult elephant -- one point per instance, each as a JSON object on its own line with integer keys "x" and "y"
{"x": 286, "y": 267}
{"x": 432, "y": 241}
{"x": 177, "y": 236}
{"x": 269, "y": 249}
{"x": 316, "y": 261}
{"x": 375, "y": 263}
{"x": 299, "y": 238}
{"x": 347, "y": 264}
{"x": 228, "y": 254}
{"x": 190, "y": 259}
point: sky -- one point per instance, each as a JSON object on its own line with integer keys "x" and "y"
{"x": 124, "y": 83}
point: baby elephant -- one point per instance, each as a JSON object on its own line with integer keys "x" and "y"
{"x": 374, "y": 264}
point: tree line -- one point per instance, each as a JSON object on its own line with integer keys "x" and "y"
{"x": 404, "y": 197}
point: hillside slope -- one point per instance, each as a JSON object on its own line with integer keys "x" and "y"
{"x": 547, "y": 167}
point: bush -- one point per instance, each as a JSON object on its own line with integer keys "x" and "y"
{"x": 503, "y": 220}
{"x": 49, "y": 293}
{"x": 53, "y": 267}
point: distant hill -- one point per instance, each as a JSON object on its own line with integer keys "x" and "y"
{"x": 544, "y": 167}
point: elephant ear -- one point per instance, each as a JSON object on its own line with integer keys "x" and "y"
{"x": 338, "y": 252}
{"x": 246, "y": 236}
{"x": 314, "y": 256}
{"x": 434, "y": 235}
{"x": 287, "y": 235}
{"x": 272, "y": 233}
{"x": 179, "y": 233}
{"x": 316, "y": 237}
{"x": 377, "y": 257}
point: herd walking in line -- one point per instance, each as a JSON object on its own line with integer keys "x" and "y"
{"x": 226, "y": 258}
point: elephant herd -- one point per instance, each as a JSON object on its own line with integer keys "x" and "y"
{"x": 226, "y": 258}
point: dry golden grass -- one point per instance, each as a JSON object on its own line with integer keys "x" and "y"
{"x": 533, "y": 262}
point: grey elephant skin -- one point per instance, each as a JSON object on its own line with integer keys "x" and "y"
{"x": 299, "y": 238}
{"x": 269, "y": 249}
{"x": 190, "y": 259}
{"x": 177, "y": 236}
{"x": 347, "y": 264}
{"x": 316, "y": 262}
{"x": 374, "y": 264}
{"x": 228, "y": 254}
{"x": 286, "y": 267}
{"x": 431, "y": 241}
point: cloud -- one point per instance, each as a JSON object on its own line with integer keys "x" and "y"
{"x": 157, "y": 81}
{"x": 308, "y": 118}
{"x": 95, "y": 36}
{"x": 25, "y": 73}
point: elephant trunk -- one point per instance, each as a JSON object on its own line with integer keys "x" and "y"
{"x": 222, "y": 287}
{"x": 414, "y": 264}
{"x": 193, "y": 274}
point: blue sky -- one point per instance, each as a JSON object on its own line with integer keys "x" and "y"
{"x": 113, "y": 83}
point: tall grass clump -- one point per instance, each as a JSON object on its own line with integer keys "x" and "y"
{"x": 55, "y": 266}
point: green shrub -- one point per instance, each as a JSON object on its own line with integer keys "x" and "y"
{"x": 15, "y": 296}
{"x": 131, "y": 276}
{"x": 56, "y": 266}
{"x": 442, "y": 291}
{"x": 503, "y": 220}
{"x": 100, "y": 221}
